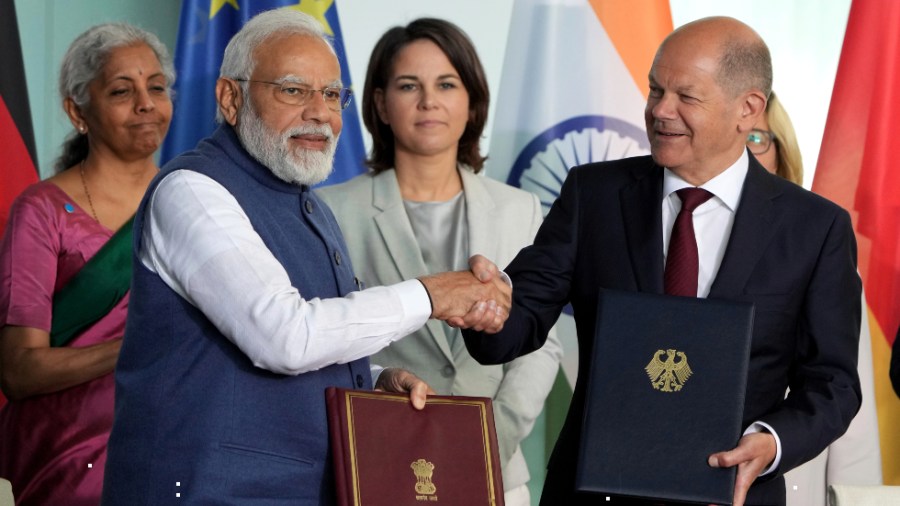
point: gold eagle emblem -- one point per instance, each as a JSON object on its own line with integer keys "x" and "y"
{"x": 668, "y": 370}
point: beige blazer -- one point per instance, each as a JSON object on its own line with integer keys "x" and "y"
{"x": 501, "y": 220}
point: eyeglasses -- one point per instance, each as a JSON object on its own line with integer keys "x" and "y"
{"x": 292, "y": 93}
{"x": 759, "y": 141}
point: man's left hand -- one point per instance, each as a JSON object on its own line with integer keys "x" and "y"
{"x": 752, "y": 455}
{"x": 402, "y": 381}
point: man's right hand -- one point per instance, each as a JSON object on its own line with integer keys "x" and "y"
{"x": 753, "y": 454}
{"x": 463, "y": 300}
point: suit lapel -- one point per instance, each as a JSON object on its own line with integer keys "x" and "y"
{"x": 479, "y": 206}
{"x": 755, "y": 223}
{"x": 481, "y": 229}
{"x": 640, "y": 203}
{"x": 396, "y": 232}
{"x": 394, "y": 227}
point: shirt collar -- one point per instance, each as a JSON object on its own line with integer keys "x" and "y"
{"x": 726, "y": 186}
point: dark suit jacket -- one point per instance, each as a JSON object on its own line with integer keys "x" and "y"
{"x": 791, "y": 253}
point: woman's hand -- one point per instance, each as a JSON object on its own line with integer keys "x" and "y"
{"x": 29, "y": 366}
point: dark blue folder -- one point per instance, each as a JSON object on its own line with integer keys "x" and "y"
{"x": 666, "y": 390}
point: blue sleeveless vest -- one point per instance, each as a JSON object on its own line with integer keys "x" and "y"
{"x": 193, "y": 416}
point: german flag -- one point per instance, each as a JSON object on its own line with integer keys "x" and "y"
{"x": 858, "y": 169}
{"x": 18, "y": 168}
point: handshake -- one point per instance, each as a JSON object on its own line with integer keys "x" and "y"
{"x": 477, "y": 299}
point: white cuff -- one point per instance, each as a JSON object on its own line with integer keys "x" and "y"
{"x": 761, "y": 427}
{"x": 505, "y": 277}
{"x": 415, "y": 300}
{"x": 376, "y": 371}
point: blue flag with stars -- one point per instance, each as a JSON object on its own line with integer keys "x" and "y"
{"x": 204, "y": 30}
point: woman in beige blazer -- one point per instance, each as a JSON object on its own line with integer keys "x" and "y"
{"x": 424, "y": 209}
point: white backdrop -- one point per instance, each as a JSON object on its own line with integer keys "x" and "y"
{"x": 804, "y": 36}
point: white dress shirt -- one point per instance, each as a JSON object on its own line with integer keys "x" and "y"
{"x": 201, "y": 243}
{"x": 713, "y": 220}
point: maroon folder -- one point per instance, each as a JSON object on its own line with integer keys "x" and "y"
{"x": 388, "y": 453}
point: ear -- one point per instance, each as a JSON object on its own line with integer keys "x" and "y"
{"x": 230, "y": 98}
{"x": 75, "y": 115}
{"x": 753, "y": 106}
{"x": 378, "y": 96}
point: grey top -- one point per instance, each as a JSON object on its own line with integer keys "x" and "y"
{"x": 442, "y": 232}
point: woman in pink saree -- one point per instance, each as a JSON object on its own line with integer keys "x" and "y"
{"x": 65, "y": 267}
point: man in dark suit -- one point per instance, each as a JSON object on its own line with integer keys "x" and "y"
{"x": 760, "y": 239}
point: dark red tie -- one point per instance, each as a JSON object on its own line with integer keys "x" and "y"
{"x": 682, "y": 263}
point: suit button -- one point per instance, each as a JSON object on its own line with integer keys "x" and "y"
{"x": 359, "y": 381}
{"x": 309, "y": 206}
{"x": 447, "y": 371}
{"x": 337, "y": 257}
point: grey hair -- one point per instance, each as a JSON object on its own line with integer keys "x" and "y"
{"x": 238, "y": 61}
{"x": 88, "y": 53}
{"x": 744, "y": 60}
{"x": 84, "y": 61}
{"x": 744, "y": 65}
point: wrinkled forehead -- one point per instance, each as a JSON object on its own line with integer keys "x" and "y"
{"x": 137, "y": 58}
{"x": 681, "y": 63}
{"x": 684, "y": 70}
{"x": 702, "y": 49}
{"x": 299, "y": 55}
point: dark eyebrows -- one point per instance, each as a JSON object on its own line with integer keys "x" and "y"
{"x": 416, "y": 78}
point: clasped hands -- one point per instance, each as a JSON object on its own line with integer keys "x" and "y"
{"x": 477, "y": 299}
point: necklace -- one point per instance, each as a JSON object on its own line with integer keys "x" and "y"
{"x": 86, "y": 192}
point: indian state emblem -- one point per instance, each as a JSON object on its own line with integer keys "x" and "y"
{"x": 423, "y": 470}
{"x": 668, "y": 374}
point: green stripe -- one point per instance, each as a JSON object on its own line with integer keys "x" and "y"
{"x": 95, "y": 290}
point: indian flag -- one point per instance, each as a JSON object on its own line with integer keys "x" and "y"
{"x": 573, "y": 91}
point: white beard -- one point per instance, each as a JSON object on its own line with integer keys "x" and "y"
{"x": 298, "y": 166}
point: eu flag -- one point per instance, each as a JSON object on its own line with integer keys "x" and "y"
{"x": 204, "y": 30}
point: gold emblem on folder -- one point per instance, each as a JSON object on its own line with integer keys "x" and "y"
{"x": 423, "y": 470}
{"x": 668, "y": 370}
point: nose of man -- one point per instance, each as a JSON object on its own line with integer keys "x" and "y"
{"x": 661, "y": 108}
{"x": 317, "y": 110}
